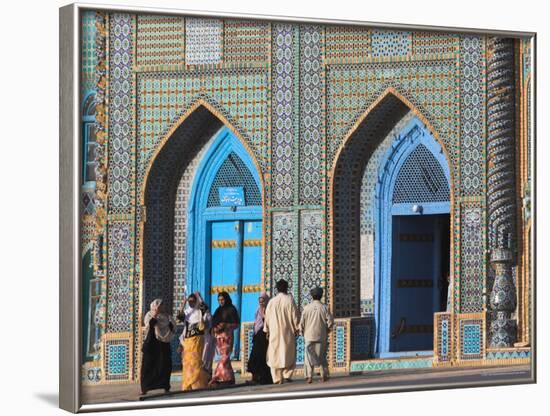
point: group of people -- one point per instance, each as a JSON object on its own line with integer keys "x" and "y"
{"x": 273, "y": 354}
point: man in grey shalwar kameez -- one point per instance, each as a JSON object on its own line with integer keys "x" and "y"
{"x": 315, "y": 324}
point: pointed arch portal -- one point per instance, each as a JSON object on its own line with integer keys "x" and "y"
{"x": 224, "y": 229}
{"x": 411, "y": 217}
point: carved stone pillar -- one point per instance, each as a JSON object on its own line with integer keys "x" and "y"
{"x": 501, "y": 192}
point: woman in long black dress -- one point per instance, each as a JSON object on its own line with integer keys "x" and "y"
{"x": 156, "y": 364}
{"x": 257, "y": 365}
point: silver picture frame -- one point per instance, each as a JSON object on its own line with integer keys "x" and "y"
{"x": 70, "y": 376}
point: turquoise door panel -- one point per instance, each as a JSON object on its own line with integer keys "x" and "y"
{"x": 415, "y": 275}
{"x": 252, "y": 264}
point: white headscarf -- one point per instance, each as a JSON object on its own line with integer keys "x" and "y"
{"x": 162, "y": 328}
{"x": 192, "y": 315}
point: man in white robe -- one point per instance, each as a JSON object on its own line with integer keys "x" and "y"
{"x": 281, "y": 326}
{"x": 315, "y": 324}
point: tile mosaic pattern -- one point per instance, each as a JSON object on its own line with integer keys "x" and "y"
{"x": 312, "y": 265}
{"x": 472, "y": 96}
{"x": 88, "y": 51}
{"x": 203, "y": 41}
{"x": 246, "y": 42}
{"x": 473, "y": 265}
{"x": 117, "y": 359}
{"x": 238, "y": 95}
{"x": 363, "y": 331}
{"x": 444, "y": 334}
{"x": 376, "y": 365}
{"x": 347, "y": 43}
{"x": 284, "y": 261}
{"x": 284, "y": 119}
{"x": 121, "y": 114}
{"x": 471, "y": 336}
{"x": 433, "y": 43}
{"x": 119, "y": 306}
{"x": 388, "y": 43}
{"x": 311, "y": 164}
{"x": 160, "y": 40}
{"x": 340, "y": 346}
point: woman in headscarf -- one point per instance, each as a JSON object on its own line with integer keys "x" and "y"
{"x": 224, "y": 322}
{"x": 156, "y": 364}
{"x": 257, "y": 365}
{"x": 209, "y": 340}
{"x": 192, "y": 343}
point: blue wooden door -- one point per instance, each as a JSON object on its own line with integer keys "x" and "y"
{"x": 225, "y": 264}
{"x": 252, "y": 268}
{"x": 235, "y": 267}
{"x": 416, "y": 270}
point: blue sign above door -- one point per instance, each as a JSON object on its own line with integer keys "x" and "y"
{"x": 231, "y": 196}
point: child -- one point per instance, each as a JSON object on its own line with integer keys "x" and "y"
{"x": 315, "y": 323}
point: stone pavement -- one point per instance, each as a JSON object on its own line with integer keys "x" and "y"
{"x": 375, "y": 380}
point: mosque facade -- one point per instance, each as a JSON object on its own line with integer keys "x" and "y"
{"x": 390, "y": 168}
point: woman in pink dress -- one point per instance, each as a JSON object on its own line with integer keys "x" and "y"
{"x": 224, "y": 322}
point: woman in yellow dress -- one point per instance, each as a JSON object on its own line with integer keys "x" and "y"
{"x": 192, "y": 344}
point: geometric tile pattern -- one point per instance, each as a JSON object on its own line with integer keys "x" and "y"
{"x": 473, "y": 265}
{"x": 247, "y": 333}
{"x": 430, "y": 85}
{"x": 421, "y": 179}
{"x": 508, "y": 355}
{"x": 284, "y": 264}
{"x": 471, "y": 328}
{"x": 433, "y": 43}
{"x": 121, "y": 115}
{"x": 380, "y": 365}
{"x": 340, "y": 346}
{"x": 387, "y": 43}
{"x": 362, "y": 337}
{"x": 311, "y": 254}
{"x": 472, "y": 115}
{"x": 311, "y": 108}
{"x": 203, "y": 41}
{"x": 117, "y": 359}
{"x": 239, "y": 95}
{"x": 88, "y": 52}
{"x": 284, "y": 120}
{"x": 443, "y": 335}
{"x": 160, "y": 40}
{"x": 246, "y": 41}
{"x": 120, "y": 271}
{"x": 346, "y": 43}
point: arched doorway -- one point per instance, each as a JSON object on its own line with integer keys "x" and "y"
{"x": 224, "y": 246}
{"x": 355, "y": 249}
{"x": 412, "y": 242}
{"x": 204, "y": 151}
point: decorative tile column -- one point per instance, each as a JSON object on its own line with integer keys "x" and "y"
{"x": 501, "y": 194}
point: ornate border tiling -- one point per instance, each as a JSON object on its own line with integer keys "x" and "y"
{"x": 160, "y": 40}
{"x": 472, "y": 114}
{"x": 473, "y": 259}
{"x": 284, "y": 128}
{"x": 119, "y": 304}
{"x": 312, "y": 244}
{"x": 311, "y": 165}
{"x": 247, "y": 333}
{"x": 443, "y": 336}
{"x": 117, "y": 361}
{"x": 284, "y": 261}
{"x": 203, "y": 41}
{"x": 121, "y": 114}
{"x": 246, "y": 41}
{"x": 362, "y": 336}
{"x": 470, "y": 336}
{"x": 379, "y": 365}
{"x": 340, "y": 345}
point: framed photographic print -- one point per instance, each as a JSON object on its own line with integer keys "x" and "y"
{"x": 260, "y": 208}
